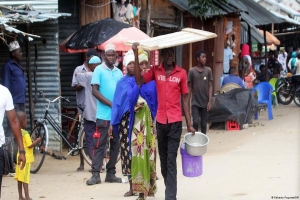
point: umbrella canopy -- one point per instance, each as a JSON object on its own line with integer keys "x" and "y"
{"x": 91, "y": 35}
{"x": 100, "y": 33}
{"x": 127, "y": 34}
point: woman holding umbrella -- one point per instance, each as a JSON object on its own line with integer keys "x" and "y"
{"x": 133, "y": 113}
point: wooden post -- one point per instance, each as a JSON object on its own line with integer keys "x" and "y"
{"x": 29, "y": 84}
{"x": 148, "y": 22}
{"x": 266, "y": 64}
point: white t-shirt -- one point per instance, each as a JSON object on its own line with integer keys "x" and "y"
{"x": 298, "y": 67}
{"x": 6, "y": 104}
{"x": 282, "y": 60}
{"x": 227, "y": 57}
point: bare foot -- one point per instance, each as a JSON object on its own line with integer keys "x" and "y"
{"x": 80, "y": 168}
{"x": 22, "y": 198}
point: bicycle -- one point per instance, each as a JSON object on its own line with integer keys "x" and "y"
{"x": 41, "y": 130}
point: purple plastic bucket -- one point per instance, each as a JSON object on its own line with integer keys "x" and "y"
{"x": 191, "y": 165}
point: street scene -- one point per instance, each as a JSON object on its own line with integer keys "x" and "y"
{"x": 140, "y": 99}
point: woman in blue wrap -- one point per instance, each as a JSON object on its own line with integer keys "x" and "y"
{"x": 133, "y": 111}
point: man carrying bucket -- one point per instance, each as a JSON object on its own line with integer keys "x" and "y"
{"x": 171, "y": 84}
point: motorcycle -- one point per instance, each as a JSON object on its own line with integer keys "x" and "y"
{"x": 288, "y": 90}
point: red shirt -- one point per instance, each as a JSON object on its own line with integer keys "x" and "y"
{"x": 169, "y": 90}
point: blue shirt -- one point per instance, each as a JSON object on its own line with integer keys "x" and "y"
{"x": 13, "y": 78}
{"x": 233, "y": 79}
{"x": 107, "y": 80}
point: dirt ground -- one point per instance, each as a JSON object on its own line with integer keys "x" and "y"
{"x": 260, "y": 162}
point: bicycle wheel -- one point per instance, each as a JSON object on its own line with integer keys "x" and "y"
{"x": 39, "y": 151}
{"x": 84, "y": 148}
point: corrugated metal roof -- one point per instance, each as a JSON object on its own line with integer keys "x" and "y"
{"x": 249, "y": 10}
{"x": 10, "y": 16}
{"x": 256, "y": 14}
{"x": 42, "y": 5}
{"x": 255, "y": 34}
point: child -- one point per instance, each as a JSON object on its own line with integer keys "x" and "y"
{"x": 23, "y": 176}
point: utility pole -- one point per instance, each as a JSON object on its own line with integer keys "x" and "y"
{"x": 148, "y": 13}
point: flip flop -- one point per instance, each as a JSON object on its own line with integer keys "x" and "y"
{"x": 80, "y": 169}
{"x": 129, "y": 194}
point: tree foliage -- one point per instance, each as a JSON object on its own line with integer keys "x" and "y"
{"x": 205, "y": 8}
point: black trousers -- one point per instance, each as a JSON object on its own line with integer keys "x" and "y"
{"x": 1, "y": 167}
{"x": 199, "y": 112}
{"x": 99, "y": 148}
{"x": 168, "y": 139}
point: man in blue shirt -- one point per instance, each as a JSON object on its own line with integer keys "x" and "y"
{"x": 104, "y": 82}
{"x": 233, "y": 77}
{"x": 13, "y": 77}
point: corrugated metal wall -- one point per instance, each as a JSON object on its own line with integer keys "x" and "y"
{"x": 47, "y": 75}
{"x": 68, "y": 61}
{"x": 45, "y": 5}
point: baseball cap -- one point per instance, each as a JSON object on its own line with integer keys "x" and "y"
{"x": 91, "y": 52}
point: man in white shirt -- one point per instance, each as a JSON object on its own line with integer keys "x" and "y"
{"x": 228, "y": 56}
{"x": 6, "y": 104}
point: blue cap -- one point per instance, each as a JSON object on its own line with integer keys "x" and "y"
{"x": 95, "y": 60}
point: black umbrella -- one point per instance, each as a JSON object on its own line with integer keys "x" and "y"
{"x": 93, "y": 34}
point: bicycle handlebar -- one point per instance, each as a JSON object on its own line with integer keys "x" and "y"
{"x": 54, "y": 100}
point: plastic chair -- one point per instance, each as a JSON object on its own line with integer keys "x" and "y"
{"x": 229, "y": 86}
{"x": 264, "y": 96}
{"x": 273, "y": 81}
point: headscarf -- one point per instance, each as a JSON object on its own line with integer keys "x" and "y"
{"x": 129, "y": 57}
{"x": 128, "y": 92}
{"x": 245, "y": 50}
{"x": 143, "y": 55}
{"x": 294, "y": 59}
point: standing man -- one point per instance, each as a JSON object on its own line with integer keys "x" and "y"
{"x": 13, "y": 77}
{"x": 171, "y": 86}
{"x": 200, "y": 86}
{"x": 104, "y": 82}
{"x": 6, "y": 104}
{"x": 80, "y": 90}
{"x": 228, "y": 56}
{"x": 89, "y": 114}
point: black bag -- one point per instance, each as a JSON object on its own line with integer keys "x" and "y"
{"x": 9, "y": 151}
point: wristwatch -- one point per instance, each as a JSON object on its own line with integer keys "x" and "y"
{"x": 22, "y": 152}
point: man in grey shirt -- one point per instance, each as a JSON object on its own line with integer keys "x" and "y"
{"x": 200, "y": 86}
{"x": 89, "y": 114}
{"x": 80, "y": 89}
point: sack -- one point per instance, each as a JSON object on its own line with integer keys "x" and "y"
{"x": 10, "y": 152}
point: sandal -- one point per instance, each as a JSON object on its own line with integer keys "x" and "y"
{"x": 129, "y": 194}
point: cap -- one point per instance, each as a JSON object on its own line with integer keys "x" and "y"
{"x": 91, "y": 52}
{"x": 13, "y": 46}
{"x": 129, "y": 57}
{"x": 95, "y": 60}
{"x": 110, "y": 46}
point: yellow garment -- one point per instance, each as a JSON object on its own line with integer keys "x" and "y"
{"x": 143, "y": 55}
{"x": 27, "y": 142}
{"x": 24, "y": 174}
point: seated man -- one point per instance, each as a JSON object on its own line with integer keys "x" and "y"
{"x": 261, "y": 75}
{"x": 233, "y": 77}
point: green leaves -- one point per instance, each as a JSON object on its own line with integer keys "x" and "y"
{"x": 206, "y": 8}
